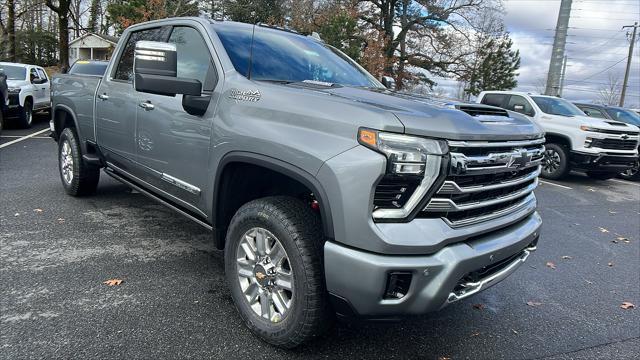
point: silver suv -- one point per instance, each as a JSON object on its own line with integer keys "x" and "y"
{"x": 329, "y": 193}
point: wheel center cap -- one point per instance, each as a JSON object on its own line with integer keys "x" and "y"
{"x": 262, "y": 274}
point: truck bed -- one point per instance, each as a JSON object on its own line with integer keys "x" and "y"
{"x": 77, "y": 92}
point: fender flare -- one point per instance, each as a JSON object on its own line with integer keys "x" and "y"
{"x": 71, "y": 114}
{"x": 564, "y": 137}
{"x": 281, "y": 167}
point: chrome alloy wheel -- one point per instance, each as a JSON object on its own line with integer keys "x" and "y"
{"x": 551, "y": 161}
{"x": 265, "y": 275}
{"x": 66, "y": 162}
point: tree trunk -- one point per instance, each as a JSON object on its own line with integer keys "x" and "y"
{"x": 63, "y": 43}
{"x": 11, "y": 30}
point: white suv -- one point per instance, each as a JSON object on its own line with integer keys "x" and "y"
{"x": 29, "y": 91}
{"x": 601, "y": 147}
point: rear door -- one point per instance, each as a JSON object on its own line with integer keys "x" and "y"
{"x": 117, "y": 103}
{"x": 173, "y": 146}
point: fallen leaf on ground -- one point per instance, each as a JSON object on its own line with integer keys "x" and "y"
{"x": 475, "y": 334}
{"x": 37, "y": 210}
{"x": 567, "y": 257}
{"x": 612, "y": 212}
{"x": 113, "y": 282}
{"x": 603, "y": 230}
{"x": 588, "y": 282}
{"x": 592, "y": 189}
{"x": 627, "y": 305}
{"x": 514, "y": 331}
{"x": 533, "y": 303}
{"x": 610, "y": 264}
{"x": 624, "y": 239}
{"x": 551, "y": 265}
{"x": 444, "y": 358}
{"x": 16, "y": 214}
{"x": 60, "y": 220}
{"x": 614, "y": 241}
{"x": 478, "y": 306}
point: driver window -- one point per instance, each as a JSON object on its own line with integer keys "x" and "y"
{"x": 521, "y": 105}
{"x": 33, "y": 75}
{"x": 194, "y": 60}
{"x": 42, "y": 75}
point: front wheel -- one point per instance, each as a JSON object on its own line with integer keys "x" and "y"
{"x": 273, "y": 267}
{"x": 78, "y": 177}
{"x": 632, "y": 174}
{"x": 555, "y": 163}
{"x": 601, "y": 175}
{"x": 26, "y": 115}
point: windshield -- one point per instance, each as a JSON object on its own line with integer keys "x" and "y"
{"x": 88, "y": 68}
{"x": 557, "y": 106}
{"x": 14, "y": 72}
{"x": 624, "y": 115}
{"x": 282, "y": 56}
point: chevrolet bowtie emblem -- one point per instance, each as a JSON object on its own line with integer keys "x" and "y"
{"x": 260, "y": 276}
{"x": 520, "y": 160}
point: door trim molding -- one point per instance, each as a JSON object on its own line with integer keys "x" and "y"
{"x": 180, "y": 184}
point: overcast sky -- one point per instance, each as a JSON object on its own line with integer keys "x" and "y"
{"x": 597, "y": 46}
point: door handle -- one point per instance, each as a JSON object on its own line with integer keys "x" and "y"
{"x": 147, "y": 106}
{"x": 103, "y": 96}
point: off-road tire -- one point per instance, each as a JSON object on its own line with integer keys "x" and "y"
{"x": 601, "y": 175}
{"x": 85, "y": 177}
{"x": 25, "y": 119}
{"x": 299, "y": 231}
{"x": 560, "y": 168}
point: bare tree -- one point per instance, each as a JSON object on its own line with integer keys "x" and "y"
{"x": 62, "y": 10}
{"x": 609, "y": 93}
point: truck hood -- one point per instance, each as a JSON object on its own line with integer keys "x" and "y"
{"x": 605, "y": 124}
{"x": 434, "y": 117}
{"x": 16, "y": 83}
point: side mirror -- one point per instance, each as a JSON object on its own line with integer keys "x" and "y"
{"x": 38, "y": 81}
{"x": 155, "y": 68}
{"x": 388, "y": 82}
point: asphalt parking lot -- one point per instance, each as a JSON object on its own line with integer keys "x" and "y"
{"x": 56, "y": 251}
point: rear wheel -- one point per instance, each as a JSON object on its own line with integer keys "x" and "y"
{"x": 26, "y": 115}
{"x": 78, "y": 177}
{"x": 555, "y": 164}
{"x": 601, "y": 175}
{"x": 273, "y": 267}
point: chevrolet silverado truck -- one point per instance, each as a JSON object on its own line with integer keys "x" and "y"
{"x": 329, "y": 193}
{"x": 602, "y": 148}
{"x": 28, "y": 91}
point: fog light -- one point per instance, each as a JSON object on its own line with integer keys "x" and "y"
{"x": 398, "y": 283}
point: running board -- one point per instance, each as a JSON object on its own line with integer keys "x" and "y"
{"x": 153, "y": 196}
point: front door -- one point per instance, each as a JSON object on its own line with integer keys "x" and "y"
{"x": 116, "y": 105}
{"x": 172, "y": 145}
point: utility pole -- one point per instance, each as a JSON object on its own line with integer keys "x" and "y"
{"x": 626, "y": 73}
{"x": 563, "y": 75}
{"x": 557, "y": 53}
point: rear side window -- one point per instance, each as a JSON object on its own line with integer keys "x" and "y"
{"x": 194, "y": 60}
{"x": 124, "y": 71}
{"x": 494, "y": 99}
{"x": 88, "y": 68}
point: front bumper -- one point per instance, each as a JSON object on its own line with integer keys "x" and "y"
{"x": 357, "y": 280}
{"x": 603, "y": 162}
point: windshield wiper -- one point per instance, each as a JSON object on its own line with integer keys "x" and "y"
{"x": 305, "y": 82}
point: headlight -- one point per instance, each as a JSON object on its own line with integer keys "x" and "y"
{"x": 413, "y": 165}
{"x": 14, "y": 90}
{"x": 589, "y": 128}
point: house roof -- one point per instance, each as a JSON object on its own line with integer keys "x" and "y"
{"x": 108, "y": 38}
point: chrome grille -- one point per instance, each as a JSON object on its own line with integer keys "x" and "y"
{"x": 487, "y": 180}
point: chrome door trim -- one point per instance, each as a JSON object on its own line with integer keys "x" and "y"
{"x": 180, "y": 184}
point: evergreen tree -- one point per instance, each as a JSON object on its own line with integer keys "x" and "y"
{"x": 497, "y": 66}
{"x": 340, "y": 30}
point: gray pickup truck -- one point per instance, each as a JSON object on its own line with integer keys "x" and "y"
{"x": 329, "y": 193}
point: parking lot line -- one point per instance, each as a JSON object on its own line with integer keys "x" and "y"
{"x": 24, "y": 138}
{"x": 554, "y": 184}
{"x": 19, "y": 136}
{"x": 625, "y": 182}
